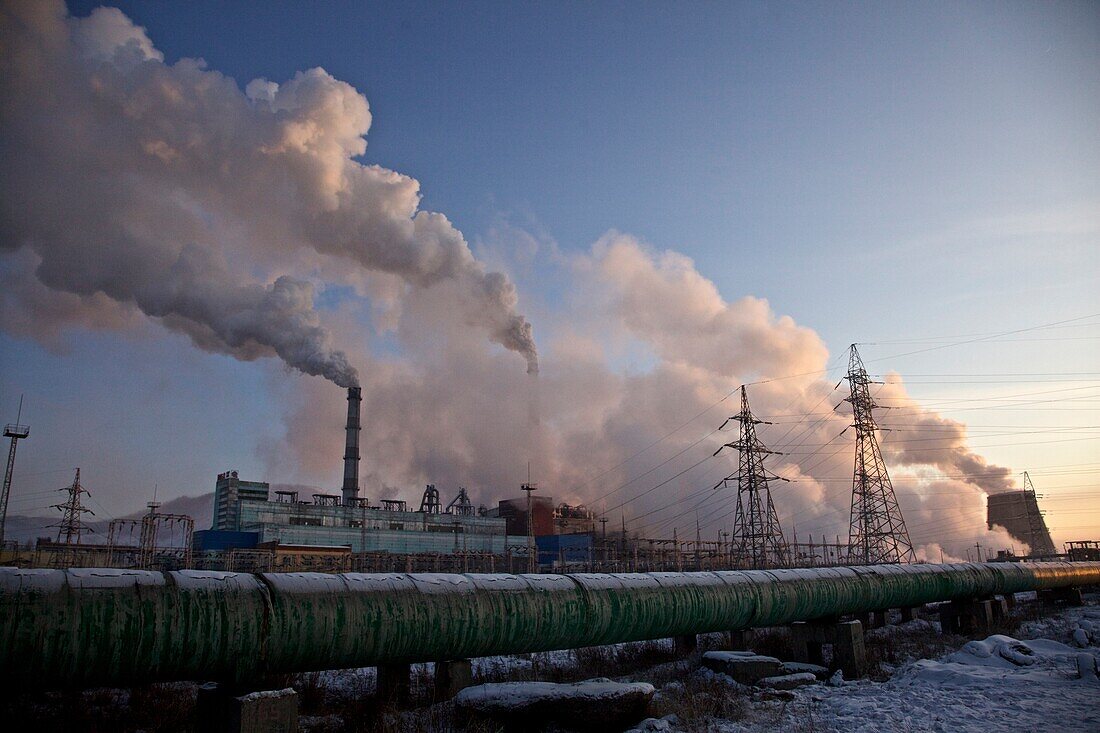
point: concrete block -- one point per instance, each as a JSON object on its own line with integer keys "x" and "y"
{"x": 271, "y": 711}
{"x": 452, "y": 678}
{"x": 219, "y": 709}
{"x": 848, "y": 650}
{"x": 747, "y": 669}
{"x": 741, "y": 639}
{"x": 807, "y": 638}
{"x": 966, "y": 616}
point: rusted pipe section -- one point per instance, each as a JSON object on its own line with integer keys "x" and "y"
{"x": 85, "y": 627}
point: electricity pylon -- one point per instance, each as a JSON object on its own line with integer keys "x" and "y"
{"x": 757, "y": 537}
{"x": 71, "y": 525}
{"x": 877, "y": 532}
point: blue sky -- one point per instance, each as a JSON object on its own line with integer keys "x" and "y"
{"x": 878, "y": 171}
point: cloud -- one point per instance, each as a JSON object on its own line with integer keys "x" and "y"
{"x": 168, "y": 188}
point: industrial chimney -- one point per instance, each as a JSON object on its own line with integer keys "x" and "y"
{"x": 350, "y": 489}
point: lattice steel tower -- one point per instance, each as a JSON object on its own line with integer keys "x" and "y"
{"x": 16, "y": 431}
{"x": 877, "y": 532}
{"x": 757, "y": 537}
{"x": 71, "y": 525}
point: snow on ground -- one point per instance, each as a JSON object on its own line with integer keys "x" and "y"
{"x": 996, "y": 684}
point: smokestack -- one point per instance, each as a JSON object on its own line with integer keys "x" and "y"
{"x": 350, "y": 489}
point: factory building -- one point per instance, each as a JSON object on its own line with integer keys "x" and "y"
{"x": 247, "y": 514}
{"x": 514, "y": 513}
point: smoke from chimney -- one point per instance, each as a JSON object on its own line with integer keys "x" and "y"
{"x": 350, "y": 489}
{"x": 195, "y": 202}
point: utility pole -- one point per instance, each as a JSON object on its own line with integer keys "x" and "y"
{"x": 876, "y": 532}
{"x": 757, "y": 536}
{"x": 16, "y": 432}
{"x": 532, "y": 555}
{"x": 71, "y": 525}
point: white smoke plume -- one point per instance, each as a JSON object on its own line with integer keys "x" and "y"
{"x": 455, "y": 414}
{"x": 133, "y": 186}
{"x": 168, "y": 188}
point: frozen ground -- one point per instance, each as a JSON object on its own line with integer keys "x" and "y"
{"x": 996, "y": 684}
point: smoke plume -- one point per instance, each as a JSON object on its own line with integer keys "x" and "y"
{"x": 168, "y": 188}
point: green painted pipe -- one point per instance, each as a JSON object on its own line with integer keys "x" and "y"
{"x": 84, "y": 627}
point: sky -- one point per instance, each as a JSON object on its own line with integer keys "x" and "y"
{"x": 915, "y": 178}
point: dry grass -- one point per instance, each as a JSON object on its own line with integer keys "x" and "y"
{"x": 161, "y": 708}
{"x": 700, "y": 703}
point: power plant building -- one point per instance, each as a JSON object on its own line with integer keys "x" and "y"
{"x": 249, "y": 509}
{"x": 247, "y": 514}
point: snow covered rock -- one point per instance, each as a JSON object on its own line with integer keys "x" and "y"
{"x": 1087, "y": 667}
{"x": 1003, "y": 647}
{"x": 1081, "y": 637}
{"x": 798, "y": 667}
{"x": 651, "y": 725}
{"x": 745, "y": 667}
{"x": 789, "y": 681}
{"x": 595, "y": 703}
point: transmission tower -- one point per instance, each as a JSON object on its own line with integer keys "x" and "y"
{"x": 757, "y": 537}
{"x": 71, "y": 525}
{"x": 16, "y": 432}
{"x": 876, "y": 533}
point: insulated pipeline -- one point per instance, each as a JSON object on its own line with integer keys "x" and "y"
{"x": 85, "y": 627}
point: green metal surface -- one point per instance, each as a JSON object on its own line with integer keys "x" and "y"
{"x": 87, "y": 627}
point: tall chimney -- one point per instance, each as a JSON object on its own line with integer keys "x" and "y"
{"x": 350, "y": 489}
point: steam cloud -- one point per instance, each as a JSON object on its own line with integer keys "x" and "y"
{"x": 168, "y": 188}
{"x": 135, "y": 187}
{"x": 459, "y": 415}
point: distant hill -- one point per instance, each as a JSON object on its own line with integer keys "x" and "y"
{"x": 23, "y": 528}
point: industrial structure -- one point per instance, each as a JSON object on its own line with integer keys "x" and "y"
{"x": 757, "y": 537}
{"x": 1018, "y": 513}
{"x": 16, "y": 432}
{"x": 876, "y": 532}
{"x": 248, "y": 516}
{"x": 258, "y": 529}
{"x": 77, "y": 627}
{"x": 157, "y": 540}
{"x": 71, "y": 526}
